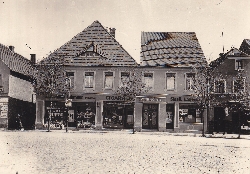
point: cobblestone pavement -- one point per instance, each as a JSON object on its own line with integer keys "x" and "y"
{"x": 120, "y": 152}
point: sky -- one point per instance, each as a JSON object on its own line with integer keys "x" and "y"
{"x": 40, "y": 26}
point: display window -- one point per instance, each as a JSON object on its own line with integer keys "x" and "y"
{"x": 189, "y": 113}
{"x": 85, "y": 114}
{"x": 56, "y": 113}
{"x": 118, "y": 115}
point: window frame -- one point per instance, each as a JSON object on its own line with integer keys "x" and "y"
{"x": 237, "y": 62}
{"x": 175, "y": 82}
{"x": 120, "y": 77}
{"x": 244, "y": 84}
{"x": 186, "y": 74}
{"x": 214, "y": 85}
{"x": 143, "y": 79}
{"x": 113, "y": 80}
{"x": 84, "y": 76}
{"x": 72, "y": 71}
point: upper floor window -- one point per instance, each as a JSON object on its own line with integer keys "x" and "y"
{"x": 238, "y": 64}
{"x": 170, "y": 81}
{"x": 220, "y": 86}
{"x": 148, "y": 80}
{"x": 89, "y": 79}
{"x": 71, "y": 77}
{"x": 238, "y": 85}
{"x": 108, "y": 80}
{"x": 124, "y": 78}
{"x": 190, "y": 77}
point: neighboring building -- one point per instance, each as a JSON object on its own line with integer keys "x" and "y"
{"x": 245, "y": 46}
{"x": 96, "y": 64}
{"x": 17, "y": 100}
{"x": 168, "y": 60}
{"x": 224, "y": 85}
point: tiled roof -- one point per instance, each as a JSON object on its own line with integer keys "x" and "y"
{"x": 245, "y": 46}
{"x": 171, "y": 49}
{"x": 234, "y": 52}
{"x": 15, "y": 62}
{"x": 107, "y": 50}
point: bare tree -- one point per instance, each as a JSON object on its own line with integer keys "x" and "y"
{"x": 132, "y": 86}
{"x": 50, "y": 80}
{"x": 240, "y": 97}
{"x": 201, "y": 90}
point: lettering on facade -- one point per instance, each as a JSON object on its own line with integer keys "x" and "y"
{"x": 182, "y": 98}
{"x": 90, "y": 98}
{"x": 119, "y": 98}
{"x": 3, "y": 109}
{"x": 151, "y": 99}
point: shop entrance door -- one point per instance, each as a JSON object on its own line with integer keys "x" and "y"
{"x": 219, "y": 116}
{"x": 150, "y": 116}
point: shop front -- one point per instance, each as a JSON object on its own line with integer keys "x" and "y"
{"x": 185, "y": 113}
{"x": 81, "y": 113}
{"x": 118, "y": 114}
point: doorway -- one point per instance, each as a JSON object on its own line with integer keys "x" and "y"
{"x": 219, "y": 117}
{"x": 150, "y": 116}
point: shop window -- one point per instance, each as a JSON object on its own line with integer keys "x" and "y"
{"x": 108, "y": 80}
{"x": 148, "y": 80}
{"x": 238, "y": 64}
{"x": 220, "y": 86}
{"x": 189, "y": 113}
{"x": 190, "y": 77}
{"x": 89, "y": 79}
{"x": 124, "y": 78}
{"x": 238, "y": 85}
{"x": 170, "y": 81}
{"x": 71, "y": 77}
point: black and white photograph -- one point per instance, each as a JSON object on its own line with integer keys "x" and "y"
{"x": 124, "y": 86}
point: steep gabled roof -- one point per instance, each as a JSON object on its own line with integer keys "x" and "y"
{"x": 94, "y": 39}
{"x": 233, "y": 53}
{"x": 15, "y": 62}
{"x": 171, "y": 49}
{"x": 245, "y": 46}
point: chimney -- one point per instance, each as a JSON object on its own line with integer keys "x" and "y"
{"x": 33, "y": 59}
{"x": 112, "y": 32}
{"x": 11, "y": 48}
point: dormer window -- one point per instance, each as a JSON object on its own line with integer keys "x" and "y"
{"x": 238, "y": 64}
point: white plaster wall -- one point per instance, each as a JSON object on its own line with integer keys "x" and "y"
{"x": 20, "y": 89}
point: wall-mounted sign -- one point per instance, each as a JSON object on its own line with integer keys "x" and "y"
{"x": 3, "y": 109}
{"x": 119, "y": 98}
{"x": 181, "y": 98}
{"x": 151, "y": 99}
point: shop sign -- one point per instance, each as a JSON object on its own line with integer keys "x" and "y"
{"x": 3, "y": 109}
{"x": 151, "y": 99}
{"x": 181, "y": 98}
{"x": 119, "y": 98}
{"x": 89, "y": 98}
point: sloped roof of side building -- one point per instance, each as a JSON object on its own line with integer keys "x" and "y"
{"x": 171, "y": 49}
{"x": 245, "y": 46}
{"x": 94, "y": 46}
{"x": 15, "y": 62}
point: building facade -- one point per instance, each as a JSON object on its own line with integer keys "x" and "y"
{"x": 168, "y": 60}
{"x": 98, "y": 65}
{"x": 17, "y": 99}
{"x": 229, "y": 88}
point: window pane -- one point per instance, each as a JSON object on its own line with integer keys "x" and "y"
{"x": 89, "y": 80}
{"x": 170, "y": 81}
{"x": 124, "y": 78}
{"x": 190, "y": 81}
{"x": 70, "y": 75}
{"x": 148, "y": 79}
{"x": 108, "y": 82}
